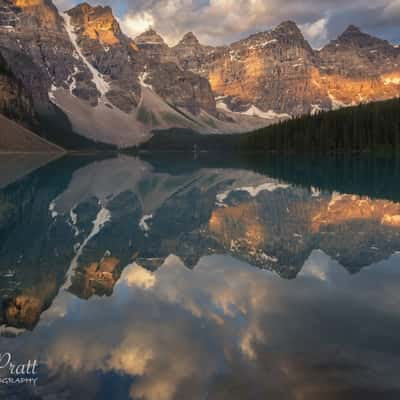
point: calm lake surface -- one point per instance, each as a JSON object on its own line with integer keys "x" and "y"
{"x": 170, "y": 278}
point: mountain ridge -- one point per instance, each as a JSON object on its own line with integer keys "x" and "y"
{"x": 82, "y": 63}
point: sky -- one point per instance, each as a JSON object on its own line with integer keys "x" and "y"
{"x": 218, "y": 22}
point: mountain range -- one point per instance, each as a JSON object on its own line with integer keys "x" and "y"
{"x": 75, "y": 76}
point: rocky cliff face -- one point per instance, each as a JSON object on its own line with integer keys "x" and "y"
{"x": 98, "y": 278}
{"x": 359, "y": 68}
{"x": 270, "y": 71}
{"x": 36, "y": 44}
{"x": 267, "y": 74}
{"x": 355, "y": 54}
{"x": 194, "y": 56}
{"x": 140, "y": 79}
{"x": 81, "y": 62}
{"x": 115, "y": 89}
{"x": 181, "y": 88}
{"x": 278, "y": 72}
{"x": 109, "y": 55}
{"x": 15, "y": 101}
{"x": 153, "y": 46}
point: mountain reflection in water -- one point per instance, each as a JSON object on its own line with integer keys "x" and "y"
{"x": 191, "y": 279}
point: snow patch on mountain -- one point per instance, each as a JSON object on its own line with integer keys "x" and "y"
{"x": 337, "y": 104}
{"x": 253, "y": 191}
{"x": 98, "y": 79}
{"x": 103, "y": 216}
{"x": 267, "y": 43}
{"x": 222, "y": 106}
{"x": 269, "y": 259}
{"x": 263, "y": 44}
{"x": 52, "y": 209}
{"x": 71, "y": 81}
{"x": 393, "y": 80}
{"x": 51, "y": 92}
{"x": 10, "y": 331}
{"x": 143, "y": 225}
{"x": 74, "y": 221}
{"x": 336, "y": 197}
{"x": 315, "y": 109}
{"x": 254, "y": 111}
{"x": 142, "y": 80}
{"x": 315, "y": 192}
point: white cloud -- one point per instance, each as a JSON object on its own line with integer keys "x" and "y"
{"x": 135, "y": 275}
{"x": 130, "y": 357}
{"x": 392, "y": 9}
{"x": 316, "y": 32}
{"x": 135, "y": 24}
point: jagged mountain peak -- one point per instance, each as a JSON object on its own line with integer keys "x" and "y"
{"x": 189, "y": 38}
{"x": 286, "y": 33}
{"x": 149, "y": 37}
{"x": 86, "y": 7}
{"x": 44, "y": 12}
{"x": 353, "y": 33}
{"x": 82, "y": 6}
{"x": 352, "y": 29}
{"x": 288, "y": 27}
{"x": 98, "y": 23}
{"x": 353, "y": 36}
{"x": 92, "y": 11}
{"x": 104, "y": 12}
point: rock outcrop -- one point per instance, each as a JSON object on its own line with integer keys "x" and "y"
{"x": 38, "y": 48}
{"x": 15, "y": 101}
{"x": 96, "y": 279}
{"x": 181, "y": 88}
{"x": 193, "y": 56}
